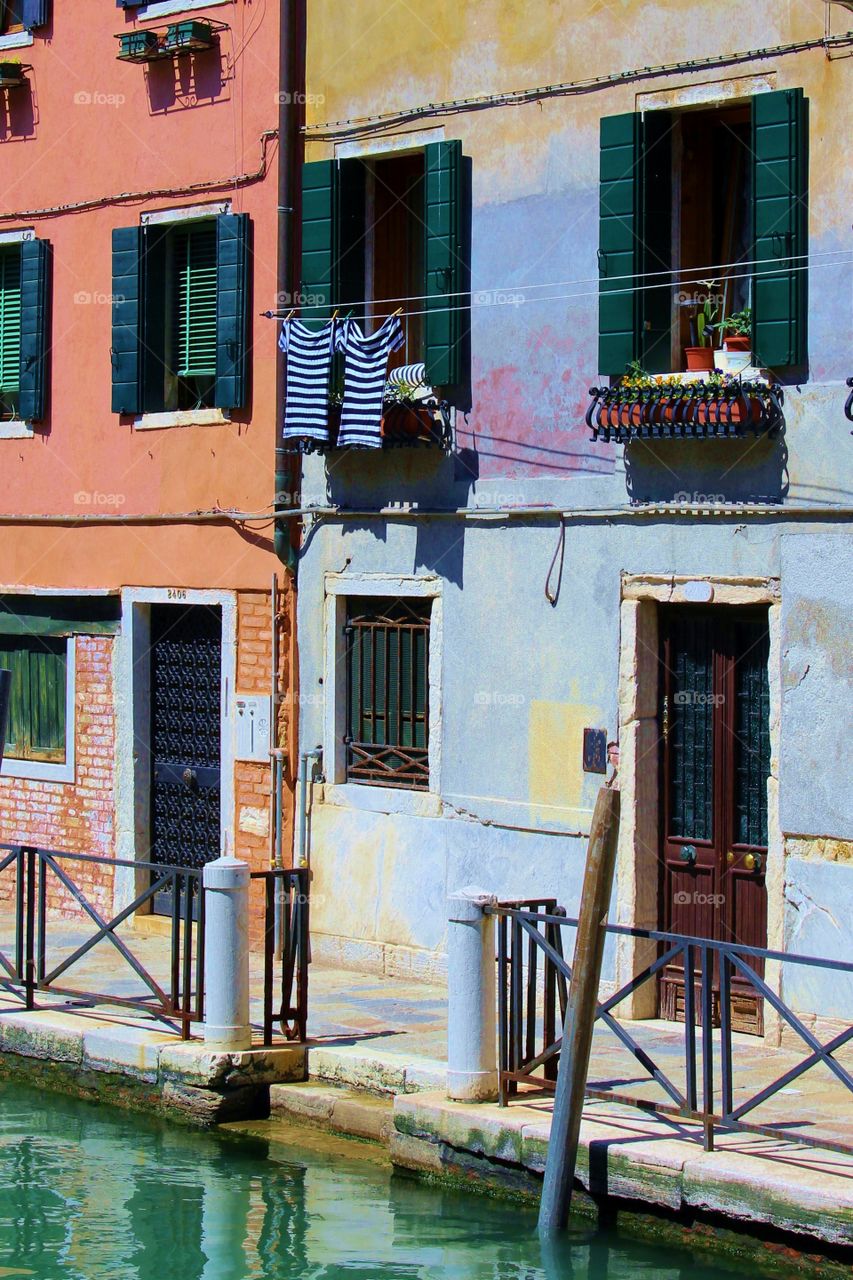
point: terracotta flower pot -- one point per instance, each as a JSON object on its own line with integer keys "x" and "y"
{"x": 402, "y": 422}
{"x": 699, "y": 359}
{"x": 738, "y": 342}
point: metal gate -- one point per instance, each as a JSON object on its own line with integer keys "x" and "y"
{"x": 186, "y": 670}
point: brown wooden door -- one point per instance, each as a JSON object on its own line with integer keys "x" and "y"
{"x": 716, "y": 761}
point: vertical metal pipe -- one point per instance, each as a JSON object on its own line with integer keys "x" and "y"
{"x": 30, "y": 962}
{"x": 689, "y": 1027}
{"x": 503, "y": 1064}
{"x": 707, "y": 960}
{"x": 725, "y": 1034}
{"x": 41, "y": 936}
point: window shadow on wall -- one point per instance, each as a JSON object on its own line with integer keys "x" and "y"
{"x": 17, "y": 113}
{"x": 185, "y": 82}
{"x": 754, "y": 469}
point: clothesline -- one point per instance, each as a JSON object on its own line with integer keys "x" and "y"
{"x": 509, "y": 297}
{"x": 702, "y": 274}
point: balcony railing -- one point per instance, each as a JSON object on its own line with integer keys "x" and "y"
{"x": 684, "y": 411}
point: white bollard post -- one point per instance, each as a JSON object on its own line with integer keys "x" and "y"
{"x": 472, "y": 1074}
{"x": 226, "y": 954}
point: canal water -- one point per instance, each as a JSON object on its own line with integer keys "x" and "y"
{"x": 97, "y": 1193}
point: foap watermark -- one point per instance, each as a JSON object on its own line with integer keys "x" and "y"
{"x": 86, "y": 298}
{"x": 698, "y": 499}
{"x": 692, "y": 698}
{"x": 497, "y": 298}
{"x": 94, "y": 498}
{"x": 97, "y": 98}
{"x": 299, "y": 299}
{"x": 498, "y": 698}
{"x": 700, "y": 298}
{"x": 300, "y": 99}
{"x": 684, "y": 899}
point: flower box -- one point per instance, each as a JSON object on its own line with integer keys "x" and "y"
{"x": 718, "y": 408}
{"x": 189, "y": 35}
{"x": 11, "y": 75}
{"x": 405, "y": 424}
{"x": 138, "y": 46}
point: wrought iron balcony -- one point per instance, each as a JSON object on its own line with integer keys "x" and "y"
{"x": 673, "y": 410}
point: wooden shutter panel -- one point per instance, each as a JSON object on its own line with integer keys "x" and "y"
{"x": 34, "y": 321}
{"x": 319, "y": 275}
{"x": 36, "y": 722}
{"x": 780, "y": 221}
{"x": 232, "y": 309}
{"x": 10, "y": 325}
{"x": 127, "y": 319}
{"x": 35, "y": 13}
{"x": 443, "y": 272}
{"x": 619, "y": 242}
{"x": 195, "y": 301}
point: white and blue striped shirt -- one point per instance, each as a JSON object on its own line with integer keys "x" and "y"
{"x": 364, "y": 382}
{"x": 309, "y": 361}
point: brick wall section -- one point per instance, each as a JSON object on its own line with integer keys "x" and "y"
{"x": 253, "y": 780}
{"x": 79, "y": 816}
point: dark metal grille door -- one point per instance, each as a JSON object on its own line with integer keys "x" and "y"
{"x": 186, "y": 671}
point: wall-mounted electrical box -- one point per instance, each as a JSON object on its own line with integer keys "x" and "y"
{"x": 251, "y": 727}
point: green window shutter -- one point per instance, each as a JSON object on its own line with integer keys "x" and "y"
{"x": 127, "y": 319}
{"x": 194, "y": 300}
{"x": 780, "y": 227}
{"x": 35, "y": 256}
{"x": 619, "y": 248}
{"x": 443, "y": 267}
{"x": 319, "y": 239}
{"x": 36, "y": 726}
{"x": 232, "y": 309}
{"x": 10, "y": 329}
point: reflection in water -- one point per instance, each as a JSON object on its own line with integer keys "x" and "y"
{"x": 92, "y": 1192}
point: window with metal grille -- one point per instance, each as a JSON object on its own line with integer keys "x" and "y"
{"x": 387, "y": 661}
{"x": 36, "y": 722}
{"x": 10, "y": 331}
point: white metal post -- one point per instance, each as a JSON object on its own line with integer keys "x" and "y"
{"x": 472, "y": 1074}
{"x": 226, "y": 954}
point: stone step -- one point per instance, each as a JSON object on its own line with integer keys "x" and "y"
{"x": 355, "y": 1113}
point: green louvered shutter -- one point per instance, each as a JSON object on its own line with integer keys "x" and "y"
{"x": 34, "y": 320}
{"x": 780, "y": 221}
{"x": 443, "y": 266}
{"x": 232, "y": 309}
{"x": 36, "y": 723}
{"x": 318, "y": 281}
{"x": 10, "y": 329}
{"x": 194, "y": 301}
{"x": 127, "y": 319}
{"x": 619, "y": 246}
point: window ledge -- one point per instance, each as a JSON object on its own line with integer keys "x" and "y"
{"x": 354, "y": 795}
{"x": 16, "y": 40}
{"x": 38, "y": 770}
{"x": 181, "y": 418}
{"x": 165, "y": 8}
{"x": 16, "y": 429}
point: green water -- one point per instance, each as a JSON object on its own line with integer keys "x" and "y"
{"x": 91, "y": 1192}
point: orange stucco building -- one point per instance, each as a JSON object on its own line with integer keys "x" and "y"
{"x": 138, "y": 245}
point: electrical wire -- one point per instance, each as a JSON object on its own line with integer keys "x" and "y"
{"x": 330, "y": 130}
{"x": 159, "y": 193}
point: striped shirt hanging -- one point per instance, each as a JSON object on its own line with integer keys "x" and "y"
{"x": 364, "y": 382}
{"x": 309, "y": 361}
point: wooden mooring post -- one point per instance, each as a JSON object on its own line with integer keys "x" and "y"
{"x": 580, "y": 1015}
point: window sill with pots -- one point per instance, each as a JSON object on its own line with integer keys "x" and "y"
{"x": 684, "y": 406}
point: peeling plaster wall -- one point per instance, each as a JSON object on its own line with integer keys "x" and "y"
{"x": 520, "y": 678}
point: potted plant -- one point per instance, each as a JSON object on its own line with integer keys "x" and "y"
{"x": 406, "y": 414}
{"x": 700, "y": 355}
{"x": 188, "y": 35}
{"x": 736, "y": 333}
{"x": 11, "y": 73}
{"x": 138, "y": 46}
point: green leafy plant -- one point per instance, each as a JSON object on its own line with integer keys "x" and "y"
{"x": 739, "y": 323}
{"x": 705, "y": 319}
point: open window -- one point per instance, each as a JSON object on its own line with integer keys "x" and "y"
{"x": 22, "y": 15}
{"x": 704, "y": 218}
{"x": 384, "y": 232}
{"x": 180, "y": 315}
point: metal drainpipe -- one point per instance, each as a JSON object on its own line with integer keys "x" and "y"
{"x": 291, "y": 81}
{"x": 302, "y": 840}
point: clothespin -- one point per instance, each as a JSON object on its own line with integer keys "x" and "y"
{"x": 290, "y": 314}
{"x": 335, "y": 314}
{"x": 398, "y": 312}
